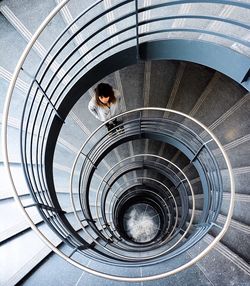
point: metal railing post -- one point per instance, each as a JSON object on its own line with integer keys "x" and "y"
{"x": 44, "y": 94}
{"x": 137, "y": 32}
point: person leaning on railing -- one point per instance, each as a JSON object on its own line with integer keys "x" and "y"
{"x": 105, "y": 104}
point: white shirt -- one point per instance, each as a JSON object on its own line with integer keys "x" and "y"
{"x": 104, "y": 113}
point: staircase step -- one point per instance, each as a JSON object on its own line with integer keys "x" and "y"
{"x": 221, "y": 265}
{"x": 22, "y": 259}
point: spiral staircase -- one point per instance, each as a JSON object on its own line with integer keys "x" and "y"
{"x": 161, "y": 200}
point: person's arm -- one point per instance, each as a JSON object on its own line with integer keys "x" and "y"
{"x": 92, "y": 108}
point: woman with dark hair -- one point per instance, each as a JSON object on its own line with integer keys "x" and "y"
{"x": 105, "y": 104}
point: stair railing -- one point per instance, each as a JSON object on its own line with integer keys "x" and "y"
{"x": 46, "y": 101}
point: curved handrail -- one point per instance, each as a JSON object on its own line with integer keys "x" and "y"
{"x": 122, "y": 186}
{"x": 6, "y": 162}
{"x": 188, "y": 16}
{"x": 171, "y": 194}
{"x": 90, "y": 159}
{"x": 110, "y": 184}
{"x": 214, "y": 139}
{"x": 141, "y": 35}
{"x": 175, "y": 3}
{"x": 129, "y": 258}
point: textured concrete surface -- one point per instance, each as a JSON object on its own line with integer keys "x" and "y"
{"x": 220, "y": 270}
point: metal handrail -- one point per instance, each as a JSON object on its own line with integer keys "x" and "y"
{"x": 6, "y": 161}
{"x": 141, "y": 35}
{"x": 129, "y": 258}
{"x": 113, "y": 228}
{"x": 218, "y": 1}
{"x": 171, "y": 194}
{"x": 91, "y": 164}
{"x": 100, "y": 191}
{"x": 92, "y": 159}
{"x": 230, "y": 2}
{"x": 140, "y": 119}
{"x": 111, "y": 180}
{"x": 122, "y": 187}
